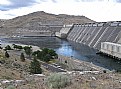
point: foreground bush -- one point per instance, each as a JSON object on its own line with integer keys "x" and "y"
{"x": 10, "y": 87}
{"x": 58, "y": 81}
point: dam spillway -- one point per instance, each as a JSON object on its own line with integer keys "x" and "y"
{"x": 92, "y": 34}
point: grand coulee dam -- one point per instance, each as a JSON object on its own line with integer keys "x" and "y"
{"x": 93, "y": 34}
{"x": 87, "y": 32}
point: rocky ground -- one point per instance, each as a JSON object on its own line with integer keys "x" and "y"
{"x": 83, "y": 75}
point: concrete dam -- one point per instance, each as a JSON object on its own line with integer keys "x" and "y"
{"x": 92, "y": 34}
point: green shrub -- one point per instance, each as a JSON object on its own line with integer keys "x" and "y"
{"x": 45, "y": 55}
{"x": 6, "y": 54}
{"x": 35, "y": 67}
{"x": 104, "y": 71}
{"x": 58, "y": 81}
{"x": 8, "y": 47}
{"x": 28, "y": 50}
{"x": 17, "y": 47}
{"x": 22, "y": 57}
{"x": 10, "y": 87}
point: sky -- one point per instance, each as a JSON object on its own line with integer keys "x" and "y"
{"x": 97, "y": 10}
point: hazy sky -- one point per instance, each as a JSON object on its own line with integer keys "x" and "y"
{"x": 98, "y": 10}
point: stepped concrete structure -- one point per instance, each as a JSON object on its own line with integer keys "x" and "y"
{"x": 64, "y": 31}
{"x": 92, "y": 34}
{"x": 30, "y": 31}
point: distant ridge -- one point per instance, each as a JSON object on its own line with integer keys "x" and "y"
{"x": 44, "y": 18}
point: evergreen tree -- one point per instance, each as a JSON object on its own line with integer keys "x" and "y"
{"x": 14, "y": 46}
{"x": 22, "y": 57}
{"x": 47, "y": 58}
{"x": 45, "y": 50}
{"x": 19, "y": 47}
{"x": 36, "y": 53}
{"x": 45, "y": 55}
{"x": 6, "y": 54}
{"x": 35, "y": 67}
{"x": 52, "y": 52}
{"x": 8, "y": 47}
{"x": 28, "y": 50}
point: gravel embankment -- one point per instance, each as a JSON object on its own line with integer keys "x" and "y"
{"x": 75, "y": 64}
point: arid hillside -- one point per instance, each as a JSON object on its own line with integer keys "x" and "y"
{"x": 41, "y": 17}
{"x": 77, "y": 74}
{"x": 38, "y": 24}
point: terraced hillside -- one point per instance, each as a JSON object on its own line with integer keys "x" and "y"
{"x": 38, "y": 22}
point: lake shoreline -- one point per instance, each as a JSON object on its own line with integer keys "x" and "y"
{"x": 81, "y": 65}
{"x": 74, "y": 64}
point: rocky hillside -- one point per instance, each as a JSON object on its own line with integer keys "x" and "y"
{"x": 40, "y": 18}
{"x": 38, "y": 24}
{"x": 15, "y": 73}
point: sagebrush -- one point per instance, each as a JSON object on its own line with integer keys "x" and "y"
{"x": 58, "y": 81}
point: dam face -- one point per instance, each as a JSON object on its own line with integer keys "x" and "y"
{"x": 92, "y": 34}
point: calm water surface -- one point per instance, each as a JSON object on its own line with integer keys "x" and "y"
{"x": 68, "y": 48}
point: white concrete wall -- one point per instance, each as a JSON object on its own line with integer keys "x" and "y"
{"x": 113, "y": 49}
{"x": 64, "y": 31}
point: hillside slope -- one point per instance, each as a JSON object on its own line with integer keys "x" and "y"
{"x": 38, "y": 24}
{"x": 41, "y": 18}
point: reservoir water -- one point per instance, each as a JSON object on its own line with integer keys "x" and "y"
{"x": 68, "y": 48}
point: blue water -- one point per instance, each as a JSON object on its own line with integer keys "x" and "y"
{"x": 69, "y": 48}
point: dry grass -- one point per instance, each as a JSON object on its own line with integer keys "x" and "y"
{"x": 107, "y": 80}
{"x": 12, "y": 68}
{"x": 103, "y": 81}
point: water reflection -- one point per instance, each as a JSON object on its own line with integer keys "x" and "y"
{"x": 69, "y": 48}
